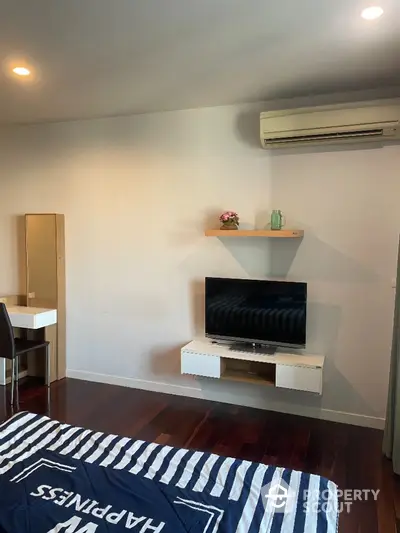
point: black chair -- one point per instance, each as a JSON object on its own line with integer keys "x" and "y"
{"x": 11, "y": 348}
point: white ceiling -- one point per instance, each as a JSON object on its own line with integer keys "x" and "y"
{"x": 108, "y": 57}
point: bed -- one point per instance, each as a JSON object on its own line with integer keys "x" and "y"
{"x": 57, "y": 478}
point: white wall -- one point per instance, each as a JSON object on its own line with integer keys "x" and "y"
{"x": 348, "y": 201}
{"x": 137, "y": 193}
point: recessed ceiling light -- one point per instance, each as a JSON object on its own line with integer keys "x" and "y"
{"x": 21, "y": 71}
{"x": 372, "y": 13}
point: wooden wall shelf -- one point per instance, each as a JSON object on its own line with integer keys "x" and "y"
{"x": 282, "y": 234}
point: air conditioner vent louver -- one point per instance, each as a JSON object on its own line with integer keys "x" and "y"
{"x": 330, "y": 125}
{"x": 322, "y": 136}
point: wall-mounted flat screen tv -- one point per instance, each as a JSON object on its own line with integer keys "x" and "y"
{"x": 272, "y": 313}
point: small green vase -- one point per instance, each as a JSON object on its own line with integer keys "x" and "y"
{"x": 277, "y": 220}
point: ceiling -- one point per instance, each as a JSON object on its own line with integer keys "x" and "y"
{"x": 95, "y": 58}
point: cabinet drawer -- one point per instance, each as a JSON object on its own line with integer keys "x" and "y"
{"x": 299, "y": 378}
{"x": 200, "y": 365}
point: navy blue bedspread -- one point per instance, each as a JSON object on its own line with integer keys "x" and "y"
{"x": 55, "y": 478}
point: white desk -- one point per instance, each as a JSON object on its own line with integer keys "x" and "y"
{"x": 31, "y": 317}
{"x": 27, "y": 318}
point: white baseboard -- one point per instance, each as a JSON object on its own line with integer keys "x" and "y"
{"x": 153, "y": 386}
{"x": 193, "y": 392}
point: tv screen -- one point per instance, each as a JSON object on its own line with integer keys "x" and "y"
{"x": 262, "y": 312}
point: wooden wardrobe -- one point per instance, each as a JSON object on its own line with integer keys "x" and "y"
{"x": 45, "y": 285}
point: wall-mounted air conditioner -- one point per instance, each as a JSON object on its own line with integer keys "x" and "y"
{"x": 329, "y": 124}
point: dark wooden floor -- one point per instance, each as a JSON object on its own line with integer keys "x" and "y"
{"x": 349, "y": 455}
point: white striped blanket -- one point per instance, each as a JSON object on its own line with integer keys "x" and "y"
{"x": 56, "y": 478}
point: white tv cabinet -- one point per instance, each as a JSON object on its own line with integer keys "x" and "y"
{"x": 284, "y": 370}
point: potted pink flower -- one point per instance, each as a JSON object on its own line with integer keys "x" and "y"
{"x": 229, "y": 220}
